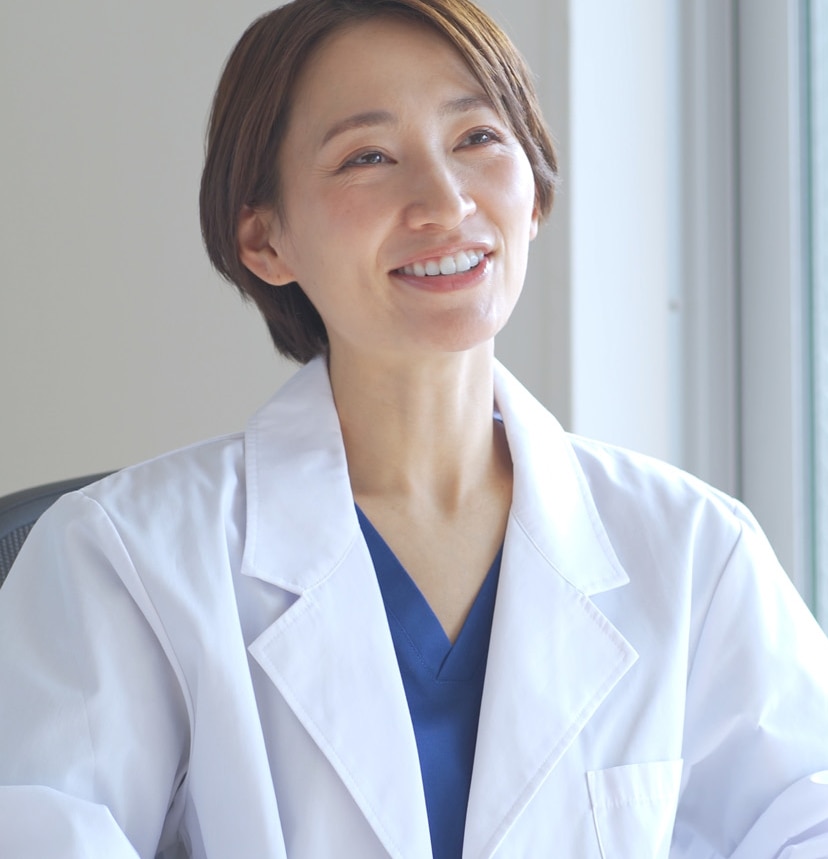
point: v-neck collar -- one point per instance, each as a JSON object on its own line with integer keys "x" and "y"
{"x": 407, "y": 607}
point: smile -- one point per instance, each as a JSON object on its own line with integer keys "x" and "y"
{"x": 454, "y": 264}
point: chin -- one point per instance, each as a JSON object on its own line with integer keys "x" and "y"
{"x": 464, "y": 336}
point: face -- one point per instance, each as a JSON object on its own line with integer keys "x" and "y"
{"x": 408, "y": 203}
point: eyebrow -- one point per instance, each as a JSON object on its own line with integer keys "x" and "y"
{"x": 370, "y": 118}
{"x": 358, "y": 120}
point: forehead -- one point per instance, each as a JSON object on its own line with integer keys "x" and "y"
{"x": 383, "y": 59}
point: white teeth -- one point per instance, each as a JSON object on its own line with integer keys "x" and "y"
{"x": 455, "y": 264}
{"x": 448, "y": 265}
{"x": 432, "y": 267}
{"x": 463, "y": 261}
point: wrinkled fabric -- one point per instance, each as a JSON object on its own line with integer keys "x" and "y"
{"x": 195, "y": 661}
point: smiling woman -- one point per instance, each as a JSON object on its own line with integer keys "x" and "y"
{"x": 252, "y": 110}
{"x": 404, "y": 614}
{"x": 404, "y": 162}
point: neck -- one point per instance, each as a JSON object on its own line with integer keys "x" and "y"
{"x": 420, "y": 431}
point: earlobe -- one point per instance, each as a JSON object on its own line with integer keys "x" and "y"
{"x": 256, "y": 249}
{"x": 533, "y": 227}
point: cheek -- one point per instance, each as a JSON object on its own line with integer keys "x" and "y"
{"x": 338, "y": 210}
{"x": 345, "y": 226}
{"x": 320, "y": 231}
{"x": 511, "y": 191}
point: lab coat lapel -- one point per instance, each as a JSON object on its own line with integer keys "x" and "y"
{"x": 330, "y": 654}
{"x": 553, "y": 657}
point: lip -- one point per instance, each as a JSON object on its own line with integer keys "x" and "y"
{"x": 445, "y": 283}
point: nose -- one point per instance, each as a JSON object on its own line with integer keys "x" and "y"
{"x": 437, "y": 197}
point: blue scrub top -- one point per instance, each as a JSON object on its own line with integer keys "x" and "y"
{"x": 443, "y": 684}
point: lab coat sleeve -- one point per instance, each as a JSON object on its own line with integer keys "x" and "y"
{"x": 92, "y": 715}
{"x": 756, "y": 735}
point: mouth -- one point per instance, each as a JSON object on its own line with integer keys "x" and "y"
{"x": 457, "y": 263}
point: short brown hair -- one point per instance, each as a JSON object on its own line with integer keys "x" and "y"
{"x": 250, "y": 116}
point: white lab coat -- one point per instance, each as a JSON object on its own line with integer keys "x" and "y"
{"x": 195, "y": 650}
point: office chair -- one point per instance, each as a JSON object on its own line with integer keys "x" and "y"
{"x": 20, "y": 510}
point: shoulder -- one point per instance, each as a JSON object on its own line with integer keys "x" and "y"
{"x": 649, "y": 488}
{"x": 662, "y": 518}
{"x": 163, "y": 484}
{"x": 186, "y": 498}
{"x": 655, "y": 516}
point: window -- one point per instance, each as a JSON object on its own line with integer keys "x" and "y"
{"x": 755, "y": 404}
{"x": 816, "y": 128}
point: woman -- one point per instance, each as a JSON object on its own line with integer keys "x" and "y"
{"x": 216, "y": 654}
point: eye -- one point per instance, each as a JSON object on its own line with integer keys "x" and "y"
{"x": 366, "y": 159}
{"x": 481, "y": 136}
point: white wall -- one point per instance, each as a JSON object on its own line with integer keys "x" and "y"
{"x": 116, "y": 339}
{"x": 625, "y": 216}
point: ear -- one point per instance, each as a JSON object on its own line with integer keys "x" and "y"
{"x": 533, "y": 227}
{"x": 257, "y": 250}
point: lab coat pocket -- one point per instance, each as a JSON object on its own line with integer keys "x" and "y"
{"x": 634, "y": 809}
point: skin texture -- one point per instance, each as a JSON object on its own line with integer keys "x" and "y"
{"x": 394, "y": 156}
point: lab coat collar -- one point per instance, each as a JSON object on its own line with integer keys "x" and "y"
{"x": 551, "y": 501}
{"x": 300, "y": 509}
{"x": 299, "y": 496}
{"x": 328, "y": 656}
{"x": 553, "y": 656}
